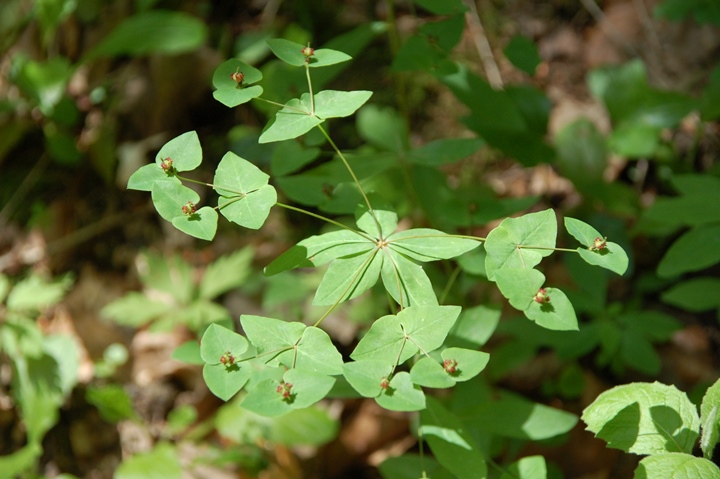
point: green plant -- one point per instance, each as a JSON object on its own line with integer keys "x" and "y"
{"x": 285, "y": 366}
{"x": 660, "y": 422}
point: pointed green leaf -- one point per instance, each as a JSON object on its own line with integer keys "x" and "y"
{"x": 710, "y": 419}
{"x": 366, "y": 375}
{"x": 429, "y": 373}
{"x": 385, "y": 341}
{"x": 612, "y": 257}
{"x": 225, "y": 382}
{"x": 339, "y": 104}
{"x": 316, "y": 353}
{"x": 697, "y": 249}
{"x": 291, "y": 53}
{"x": 226, "y": 273}
{"x": 644, "y": 418}
{"x": 427, "y": 326}
{"x": 201, "y": 224}
{"x": 320, "y": 249}
{"x": 227, "y": 91}
{"x": 325, "y": 56}
{"x": 349, "y": 277}
{"x": 170, "y": 197}
{"x": 386, "y": 218}
{"x": 289, "y": 156}
{"x": 235, "y": 175}
{"x": 410, "y": 466}
{"x": 268, "y": 334}
{"x": 406, "y": 281}
{"x": 450, "y": 442}
{"x": 401, "y": 394}
{"x": 469, "y": 363}
{"x": 696, "y": 294}
{"x": 134, "y": 309}
{"x": 144, "y": 178}
{"x": 581, "y": 231}
{"x": 531, "y": 467}
{"x": 425, "y": 244}
{"x": 250, "y": 210}
{"x": 308, "y": 387}
{"x": 265, "y": 400}
{"x": 293, "y": 120}
{"x": 677, "y": 466}
{"x": 217, "y": 341}
{"x": 445, "y": 151}
{"x": 558, "y": 314}
{"x": 184, "y": 150}
{"x": 475, "y": 326}
{"x": 509, "y": 245}
{"x": 519, "y": 285}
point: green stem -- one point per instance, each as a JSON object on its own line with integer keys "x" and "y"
{"x": 299, "y": 110}
{"x": 567, "y": 250}
{"x": 217, "y": 187}
{"x": 449, "y": 284}
{"x": 310, "y": 90}
{"x": 355, "y": 179}
{"x": 326, "y": 219}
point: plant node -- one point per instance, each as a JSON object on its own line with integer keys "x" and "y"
{"x": 542, "y": 296}
{"x": 189, "y": 208}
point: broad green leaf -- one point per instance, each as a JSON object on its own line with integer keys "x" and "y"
{"x": 429, "y": 373}
{"x": 228, "y": 91}
{"x": 320, "y": 249}
{"x": 62, "y": 349}
{"x": 700, "y": 208}
{"x": 161, "y": 462}
{"x": 445, "y": 151}
{"x": 218, "y": 341}
{"x": 511, "y": 415}
{"x": 201, "y": 224}
{"x": 305, "y": 388}
{"x": 269, "y": 335}
{"x": 291, "y": 53}
{"x": 582, "y": 154}
{"x": 226, "y": 273}
{"x": 339, "y": 104}
{"x": 697, "y": 249}
{"x": 188, "y": 352}
{"x": 382, "y": 127}
{"x": 153, "y": 31}
{"x": 410, "y": 466}
{"x": 469, "y": 363}
{"x": 112, "y": 402}
{"x": 406, "y": 281}
{"x": 366, "y": 375}
{"x": 169, "y": 274}
{"x": 510, "y": 244}
{"x": 450, "y": 442}
{"x": 676, "y": 466}
{"x": 582, "y": 231}
{"x": 289, "y": 156}
{"x": 710, "y": 417}
{"x": 245, "y": 196}
{"x": 34, "y": 293}
{"x": 558, "y": 314}
{"x": 382, "y": 215}
{"x": 145, "y": 177}
{"x": 445, "y": 33}
{"x": 325, "y": 57}
{"x": 696, "y": 294}
{"x": 22, "y": 460}
{"x": 401, "y": 394}
{"x": 612, "y": 257}
{"x": 293, "y": 120}
{"x": 425, "y": 244}
{"x": 225, "y": 382}
{"x": 654, "y": 325}
{"x": 638, "y": 353}
{"x": 304, "y": 427}
{"x": 349, "y": 277}
{"x": 184, "y": 150}
{"x": 474, "y": 326}
{"x": 427, "y": 326}
{"x": 443, "y": 7}
{"x": 385, "y": 341}
{"x": 519, "y": 285}
{"x": 531, "y": 467}
{"x": 169, "y": 199}
{"x": 316, "y": 353}
{"x": 644, "y": 418}
{"x": 523, "y": 54}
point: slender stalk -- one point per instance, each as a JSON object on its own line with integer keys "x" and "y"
{"x": 299, "y": 110}
{"x": 448, "y": 286}
{"x": 567, "y": 250}
{"x": 310, "y": 90}
{"x": 326, "y": 219}
{"x": 210, "y": 185}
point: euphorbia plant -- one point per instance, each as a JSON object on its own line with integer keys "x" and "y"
{"x": 285, "y": 365}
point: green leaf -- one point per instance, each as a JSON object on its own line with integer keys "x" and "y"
{"x": 445, "y": 151}
{"x": 226, "y": 273}
{"x": 558, "y": 314}
{"x": 184, "y": 150}
{"x": 339, "y": 104}
{"x": 201, "y": 224}
{"x": 429, "y": 373}
{"x": 305, "y": 388}
{"x": 451, "y": 443}
{"x": 382, "y": 127}
{"x": 34, "y": 293}
{"x": 710, "y": 420}
{"x": 225, "y": 382}
{"x": 696, "y": 294}
{"x": 349, "y": 277}
{"x": 160, "y": 463}
{"x": 523, "y": 54}
{"x": 697, "y": 249}
{"x": 531, "y": 467}
{"x": 425, "y": 244}
{"x": 387, "y": 219}
{"x": 188, "y": 352}
{"x": 4, "y": 287}
{"x": 245, "y": 196}
{"x": 677, "y": 466}
{"x": 218, "y": 341}
{"x": 474, "y": 326}
{"x": 443, "y": 7}
{"x": 145, "y": 177}
{"x": 324, "y": 57}
{"x": 268, "y": 335}
{"x": 385, "y": 341}
{"x": 644, "y": 418}
{"x": 169, "y": 274}
{"x": 582, "y": 154}
{"x": 304, "y": 427}
{"x": 469, "y": 363}
{"x": 316, "y": 353}
{"x": 406, "y": 281}
{"x": 366, "y": 375}
{"x": 291, "y": 53}
{"x": 112, "y": 402}
{"x": 289, "y": 156}
{"x": 427, "y": 326}
{"x": 293, "y": 120}
{"x": 22, "y": 460}
{"x": 611, "y": 257}
{"x": 519, "y": 285}
{"x": 169, "y": 199}
{"x": 401, "y": 394}
{"x": 703, "y": 11}
{"x": 228, "y": 91}
{"x": 409, "y": 466}
{"x": 153, "y": 31}
{"x": 504, "y": 242}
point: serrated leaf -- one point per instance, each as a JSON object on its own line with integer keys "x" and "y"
{"x": 226, "y": 273}
{"x": 401, "y": 394}
{"x": 169, "y": 199}
{"x": 201, "y": 224}
{"x": 469, "y": 363}
{"x": 227, "y": 91}
{"x": 425, "y": 244}
{"x": 558, "y": 314}
{"x": 697, "y": 249}
{"x": 509, "y": 245}
{"x": 366, "y": 375}
{"x": 519, "y": 285}
{"x": 429, "y": 373}
{"x": 407, "y": 282}
{"x": 316, "y": 353}
{"x": 644, "y": 418}
{"x": 427, "y": 326}
{"x": 384, "y": 341}
{"x": 339, "y": 104}
{"x": 676, "y": 466}
{"x": 217, "y": 341}
{"x": 225, "y": 382}
{"x": 34, "y": 293}
{"x": 349, "y": 277}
